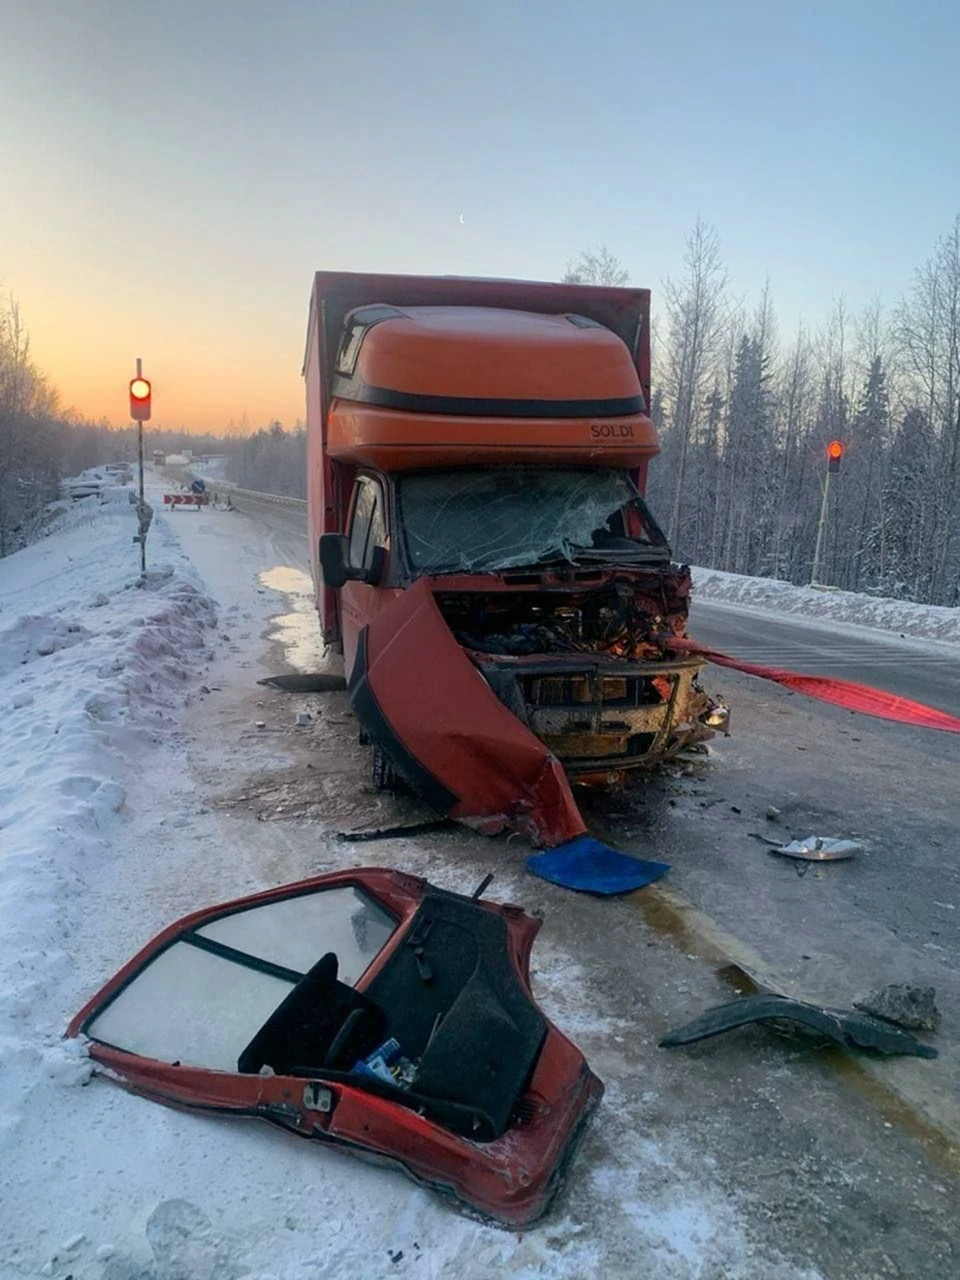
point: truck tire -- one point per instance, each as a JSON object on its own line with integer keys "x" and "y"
{"x": 385, "y": 777}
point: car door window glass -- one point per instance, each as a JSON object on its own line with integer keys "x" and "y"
{"x": 368, "y": 530}
{"x": 360, "y": 530}
{"x": 378, "y": 528}
{"x": 201, "y": 999}
{"x": 290, "y": 931}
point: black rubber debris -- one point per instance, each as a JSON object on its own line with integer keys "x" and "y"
{"x": 309, "y": 682}
{"x": 848, "y": 1029}
{"x": 395, "y": 833}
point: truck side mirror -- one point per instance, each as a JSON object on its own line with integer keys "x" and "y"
{"x": 378, "y": 562}
{"x": 336, "y": 567}
{"x": 333, "y": 559}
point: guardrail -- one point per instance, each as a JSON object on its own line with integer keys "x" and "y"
{"x": 299, "y": 504}
{"x": 277, "y": 499}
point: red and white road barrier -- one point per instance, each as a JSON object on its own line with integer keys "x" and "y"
{"x": 186, "y": 499}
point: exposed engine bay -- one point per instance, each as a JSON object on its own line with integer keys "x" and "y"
{"x": 583, "y": 666}
{"x": 621, "y": 616}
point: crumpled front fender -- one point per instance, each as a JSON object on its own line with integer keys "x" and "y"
{"x": 430, "y": 711}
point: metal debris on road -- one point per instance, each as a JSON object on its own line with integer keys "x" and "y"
{"x": 303, "y": 718}
{"x": 819, "y": 849}
{"x": 905, "y": 1005}
{"x": 848, "y": 1029}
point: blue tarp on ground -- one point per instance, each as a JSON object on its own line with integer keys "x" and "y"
{"x": 591, "y": 866}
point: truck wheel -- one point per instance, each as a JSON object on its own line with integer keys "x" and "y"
{"x": 385, "y": 777}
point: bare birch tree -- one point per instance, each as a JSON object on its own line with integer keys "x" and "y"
{"x": 695, "y": 313}
{"x": 596, "y": 266}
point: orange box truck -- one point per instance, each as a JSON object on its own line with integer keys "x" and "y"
{"x": 482, "y": 553}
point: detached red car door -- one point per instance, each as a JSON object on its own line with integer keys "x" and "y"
{"x": 365, "y": 1008}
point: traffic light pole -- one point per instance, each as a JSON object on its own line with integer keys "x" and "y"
{"x": 820, "y": 529}
{"x": 141, "y": 506}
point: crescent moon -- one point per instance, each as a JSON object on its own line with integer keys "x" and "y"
{"x": 462, "y": 223}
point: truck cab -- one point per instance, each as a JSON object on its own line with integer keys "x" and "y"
{"x": 483, "y": 555}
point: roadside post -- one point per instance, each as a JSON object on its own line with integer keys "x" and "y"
{"x": 140, "y": 394}
{"x": 834, "y": 454}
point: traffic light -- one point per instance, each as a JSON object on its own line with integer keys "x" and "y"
{"x": 834, "y": 454}
{"x": 139, "y": 399}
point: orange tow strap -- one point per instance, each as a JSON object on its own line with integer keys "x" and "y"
{"x": 842, "y": 693}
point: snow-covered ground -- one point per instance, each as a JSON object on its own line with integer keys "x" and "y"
{"x": 214, "y": 468}
{"x": 124, "y": 707}
{"x": 924, "y": 621}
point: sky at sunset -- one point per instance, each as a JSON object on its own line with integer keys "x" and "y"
{"x": 172, "y": 173}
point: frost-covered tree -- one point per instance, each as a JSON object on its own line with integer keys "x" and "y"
{"x": 596, "y": 266}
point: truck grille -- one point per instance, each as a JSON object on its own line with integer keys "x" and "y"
{"x": 598, "y": 718}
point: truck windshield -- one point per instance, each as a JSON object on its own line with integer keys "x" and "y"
{"x": 501, "y": 518}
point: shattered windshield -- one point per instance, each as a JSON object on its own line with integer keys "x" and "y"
{"x": 501, "y": 518}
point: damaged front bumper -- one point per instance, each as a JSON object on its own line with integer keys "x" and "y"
{"x": 494, "y": 739}
{"x": 604, "y": 718}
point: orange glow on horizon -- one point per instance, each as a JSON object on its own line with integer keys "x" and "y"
{"x": 213, "y": 367}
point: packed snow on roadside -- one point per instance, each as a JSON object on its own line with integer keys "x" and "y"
{"x": 92, "y": 661}
{"x": 925, "y": 621}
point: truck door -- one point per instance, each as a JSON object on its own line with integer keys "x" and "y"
{"x": 366, "y": 529}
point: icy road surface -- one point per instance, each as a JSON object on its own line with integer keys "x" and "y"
{"x": 135, "y": 785}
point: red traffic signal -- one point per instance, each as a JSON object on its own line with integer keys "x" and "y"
{"x": 139, "y": 399}
{"x": 834, "y": 454}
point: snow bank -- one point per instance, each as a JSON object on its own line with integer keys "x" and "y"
{"x": 930, "y": 622}
{"x": 91, "y": 659}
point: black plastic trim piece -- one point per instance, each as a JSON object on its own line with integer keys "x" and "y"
{"x": 848, "y": 1029}
{"x": 360, "y": 392}
{"x": 355, "y": 329}
{"x": 370, "y": 714}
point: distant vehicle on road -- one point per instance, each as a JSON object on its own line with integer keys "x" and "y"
{"x": 159, "y": 457}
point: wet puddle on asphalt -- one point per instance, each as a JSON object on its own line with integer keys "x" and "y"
{"x": 297, "y": 632}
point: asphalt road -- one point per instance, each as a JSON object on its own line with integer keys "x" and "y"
{"x": 926, "y": 673}
{"x": 286, "y": 525}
